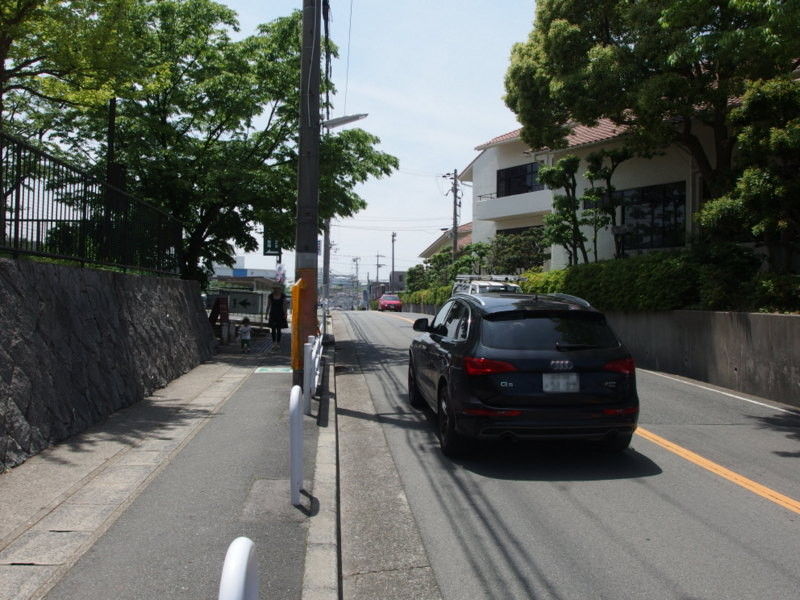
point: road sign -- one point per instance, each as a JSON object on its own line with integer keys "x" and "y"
{"x": 250, "y": 303}
{"x": 271, "y": 247}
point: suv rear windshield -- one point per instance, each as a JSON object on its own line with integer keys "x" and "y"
{"x": 547, "y": 330}
{"x": 498, "y": 288}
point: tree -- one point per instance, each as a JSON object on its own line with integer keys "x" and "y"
{"x": 215, "y": 142}
{"x": 59, "y": 51}
{"x": 664, "y": 69}
{"x": 766, "y": 198}
{"x": 601, "y": 198}
{"x": 416, "y": 278}
{"x": 515, "y": 252}
{"x": 563, "y": 225}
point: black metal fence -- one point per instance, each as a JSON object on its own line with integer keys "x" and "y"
{"x": 51, "y": 209}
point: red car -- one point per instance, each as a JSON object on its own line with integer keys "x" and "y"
{"x": 390, "y": 302}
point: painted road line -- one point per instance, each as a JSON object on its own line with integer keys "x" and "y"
{"x": 748, "y": 484}
{"x": 710, "y": 389}
{"x": 402, "y": 318}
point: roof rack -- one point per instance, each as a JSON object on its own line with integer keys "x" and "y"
{"x": 474, "y": 277}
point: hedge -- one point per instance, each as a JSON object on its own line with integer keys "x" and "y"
{"x": 723, "y": 277}
{"x": 709, "y": 277}
{"x": 436, "y": 295}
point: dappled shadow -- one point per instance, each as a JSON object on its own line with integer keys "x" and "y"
{"x": 152, "y": 419}
{"x": 788, "y": 423}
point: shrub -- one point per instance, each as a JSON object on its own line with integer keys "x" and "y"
{"x": 435, "y": 295}
{"x": 654, "y": 281}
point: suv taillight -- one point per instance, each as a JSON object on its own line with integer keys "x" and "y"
{"x": 625, "y": 366}
{"x": 486, "y": 366}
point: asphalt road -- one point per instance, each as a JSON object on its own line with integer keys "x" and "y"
{"x": 705, "y": 503}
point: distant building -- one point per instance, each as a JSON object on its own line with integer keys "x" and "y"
{"x": 397, "y": 281}
{"x": 255, "y": 279}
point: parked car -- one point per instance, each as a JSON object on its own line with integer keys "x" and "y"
{"x": 523, "y": 367}
{"x": 390, "y": 302}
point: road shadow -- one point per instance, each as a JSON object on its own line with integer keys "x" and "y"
{"x": 787, "y": 423}
{"x": 555, "y": 461}
{"x": 545, "y": 460}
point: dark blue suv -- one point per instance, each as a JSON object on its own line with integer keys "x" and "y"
{"x": 523, "y": 367}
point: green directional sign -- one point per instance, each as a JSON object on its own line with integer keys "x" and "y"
{"x": 274, "y": 370}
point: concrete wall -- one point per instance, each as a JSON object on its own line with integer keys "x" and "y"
{"x": 753, "y": 353}
{"x": 78, "y": 344}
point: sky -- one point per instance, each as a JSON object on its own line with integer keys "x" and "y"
{"x": 430, "y": 75}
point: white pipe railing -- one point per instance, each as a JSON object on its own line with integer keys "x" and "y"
{"x": 312, "y": 358}
{"x": 295, "y": 444}
{"x": 239, "y": 579}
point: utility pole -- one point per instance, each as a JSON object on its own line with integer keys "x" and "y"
{"x": 456, "y": 206}
{"x": 326, "y": 260}
{"x": 355, "y": 260}
{"x": 308, "y": 175}
{"x": 394, "y": 236}
{"x": 378, "y": 266}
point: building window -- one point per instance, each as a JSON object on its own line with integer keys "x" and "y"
{"x": 656, "y": 215}
{"x": 518, "y": 180}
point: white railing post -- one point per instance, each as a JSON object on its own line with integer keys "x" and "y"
{"x": 295, "y": 444}
{"x": 308, "y": 373}
{"x": 239, "y": 579}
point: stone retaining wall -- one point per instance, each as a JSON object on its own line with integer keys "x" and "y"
{"x": 78, "y": 344}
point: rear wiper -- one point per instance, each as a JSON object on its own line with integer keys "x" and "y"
{"x": 564, "y": 347}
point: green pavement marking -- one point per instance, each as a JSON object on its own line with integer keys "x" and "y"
{"x": 274, "y": 370}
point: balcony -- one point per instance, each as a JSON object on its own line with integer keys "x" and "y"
{"x": 488, "y": 207}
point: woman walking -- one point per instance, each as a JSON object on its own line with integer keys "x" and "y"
{"x": 276, "y": 315}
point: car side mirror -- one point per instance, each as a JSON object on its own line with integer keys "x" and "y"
{"x": 421, "y": 325}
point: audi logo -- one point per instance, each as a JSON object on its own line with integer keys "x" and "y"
{"x": 561, "y": 365}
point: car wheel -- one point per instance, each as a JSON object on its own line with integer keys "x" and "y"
{"x": 414, "y": 397}
{"x": 450, "y": 441}
{"x": 618, "y": 442}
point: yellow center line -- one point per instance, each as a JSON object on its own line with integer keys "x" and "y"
{"x": 748, "y": 484}
{"x": 399, "y": 317}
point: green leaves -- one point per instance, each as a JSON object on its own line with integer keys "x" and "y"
{"x": 663, "y": 68}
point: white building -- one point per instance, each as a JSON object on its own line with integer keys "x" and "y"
{"x": 661, "y": 193}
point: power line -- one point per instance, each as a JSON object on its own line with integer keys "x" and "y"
{"x": 388, "y": 228}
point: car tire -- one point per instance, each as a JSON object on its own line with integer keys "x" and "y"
{"x": 414, "y": 397}
{"x": 450, "y": 441}
{"x": 617, "y": 443}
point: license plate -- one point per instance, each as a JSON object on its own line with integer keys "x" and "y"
{"x": 560, "y": 382}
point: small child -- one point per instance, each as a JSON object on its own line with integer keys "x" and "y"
{"x": 245, "y": 333}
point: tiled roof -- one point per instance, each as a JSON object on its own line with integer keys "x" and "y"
{"x": 580, "y": 135}
{"x": 445, "y": 241}
{"x": 604, "y": 130}
{"x": 506, "y": 137}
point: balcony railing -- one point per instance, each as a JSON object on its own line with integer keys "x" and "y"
{"x": 51, "y": 209}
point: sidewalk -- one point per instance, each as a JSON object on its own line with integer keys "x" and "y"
{"x": 144, "y": 505}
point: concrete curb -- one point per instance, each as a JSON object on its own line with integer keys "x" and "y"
{"x": 382, "y": 554}
{"x": 321, "y": 577}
